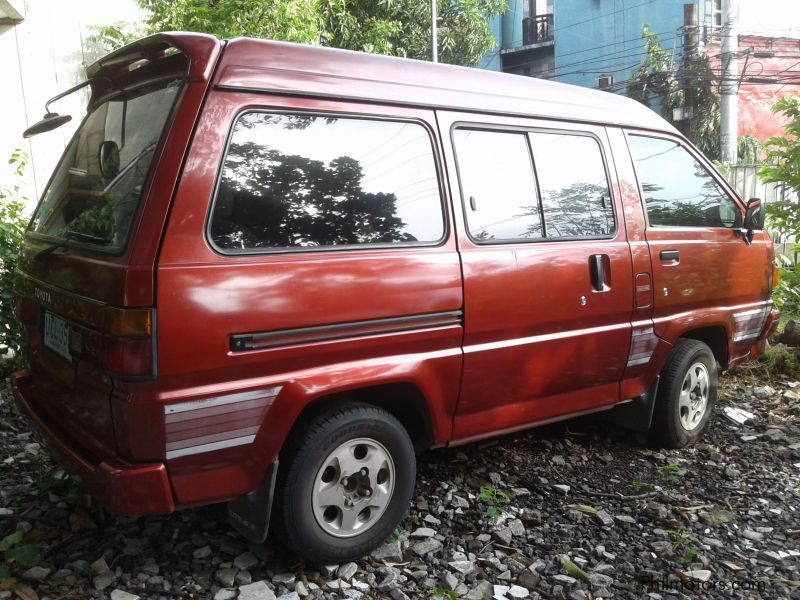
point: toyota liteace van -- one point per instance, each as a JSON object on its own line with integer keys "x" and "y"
{"x": 268, "y": 274}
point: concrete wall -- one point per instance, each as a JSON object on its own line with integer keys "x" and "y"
{"x": 39, "y": 57}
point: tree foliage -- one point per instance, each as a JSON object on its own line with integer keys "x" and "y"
{"x": 657, "y": 82}
{"x": 12, "y": 227}
{"x": 394, "y": 27}
{"x": 783, "y": 156}
{"x": 403, "y": 27}
{"x": 288, "y": 20}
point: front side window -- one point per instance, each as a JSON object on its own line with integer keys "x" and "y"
{"x": 307, "y": 181}
{"x": 573, "y": 184}
{"x": 498, "y": 185}
{"x": 678, "y": 191}
{"x": 97, "y": 186}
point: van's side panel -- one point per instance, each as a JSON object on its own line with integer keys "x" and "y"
{"x": 539, "y": 341}
{"x": 419, "y": 288}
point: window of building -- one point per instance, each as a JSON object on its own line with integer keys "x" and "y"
{"x": 306, "y": 181}
{"x": 497, "y": 185}
{"x": 573, "y": 185}
{"x": 713, "y": 12}
{"x": 678, "y": 190}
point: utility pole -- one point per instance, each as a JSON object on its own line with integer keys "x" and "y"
{"x": 729, "y": 85}
{"x": 691, "y": 41}
{"x": 434, "y": 33}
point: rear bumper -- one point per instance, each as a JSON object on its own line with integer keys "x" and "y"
{"x": 125, "y": 489}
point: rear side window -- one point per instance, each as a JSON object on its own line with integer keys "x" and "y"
{"x": 678, "y": 191}
{"x": 526, "y": 186}
{"x": 574, "y": 186}
{"x": 498, "y": 185}
{"x": 307, "y": 181}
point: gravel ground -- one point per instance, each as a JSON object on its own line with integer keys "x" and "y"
{"x": 572, "y": 511}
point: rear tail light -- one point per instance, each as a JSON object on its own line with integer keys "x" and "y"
{"x": 28, "y": 311}
{"x": 124, "y": 346}
{"x": 132, "y": 357}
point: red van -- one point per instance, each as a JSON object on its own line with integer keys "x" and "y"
{"x": 267, "y": 274}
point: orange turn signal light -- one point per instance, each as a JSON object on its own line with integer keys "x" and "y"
{"x": 776, "y": 276}
{"x": 129, "y": 322}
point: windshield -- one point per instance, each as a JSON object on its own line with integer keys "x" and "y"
{"x": 95, "y": 190}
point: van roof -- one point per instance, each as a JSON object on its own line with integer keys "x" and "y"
{"x": 315, "y": 71}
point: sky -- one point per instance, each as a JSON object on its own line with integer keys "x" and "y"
{"x": 778, "y": 18}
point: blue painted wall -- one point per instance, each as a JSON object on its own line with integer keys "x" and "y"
{"x": 596, "y": 37}
{"x": 492, "y": 60}
{"x": 604, "y": 37}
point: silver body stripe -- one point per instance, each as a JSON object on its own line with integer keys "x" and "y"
{"x": 240, "y": 441}
{"x": 221, "y": 400}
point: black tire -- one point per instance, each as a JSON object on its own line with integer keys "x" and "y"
{"x": 302, "y": 461}
{"x": 669, "y": 430}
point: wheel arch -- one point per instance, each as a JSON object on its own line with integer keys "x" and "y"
{"x": 405, "y": 401}
{"x": 715, "y": 337}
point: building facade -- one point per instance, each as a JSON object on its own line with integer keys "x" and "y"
{"x": 589, "y": 42}
{"x": 598, "y": 44}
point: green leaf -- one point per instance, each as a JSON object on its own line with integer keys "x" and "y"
{"x": 572, "y": 569}
{"x": 25, "y": 556}
{"x": 11, "y": 540}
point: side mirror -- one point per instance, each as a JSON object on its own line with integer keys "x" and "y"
{"x": 108, "y": 158}
{"x": 753, "y": 219}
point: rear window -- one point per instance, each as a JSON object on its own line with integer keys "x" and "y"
{"x": 96, "y": 187}
{"x": 305, "y": 182}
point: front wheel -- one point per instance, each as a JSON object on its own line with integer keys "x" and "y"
{"x": 348, "y": 479}
{"x": 686, "y": 395}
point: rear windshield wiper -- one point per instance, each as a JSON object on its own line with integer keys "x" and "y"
{"x": 77, "y": 236}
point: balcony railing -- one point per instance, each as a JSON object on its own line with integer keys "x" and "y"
{"x": 536, "y": 30}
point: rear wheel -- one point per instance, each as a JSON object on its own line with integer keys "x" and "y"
{"x": 348, "y": 478}
{"x": 686, "y": 396}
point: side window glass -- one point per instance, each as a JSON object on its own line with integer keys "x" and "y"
{"x": 498, "y": 185}
{"x": 305, "y": 181}
{"x": 573, "y": 184}
{"x": 678, "y": 191}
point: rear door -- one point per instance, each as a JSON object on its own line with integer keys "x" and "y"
{"x": 547, "y": 271}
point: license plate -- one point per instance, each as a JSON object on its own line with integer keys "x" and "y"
{"x": 56, "y": 334}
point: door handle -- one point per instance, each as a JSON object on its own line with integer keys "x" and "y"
{"x": 669, "y": 255}
{"x": 599, "y": 272}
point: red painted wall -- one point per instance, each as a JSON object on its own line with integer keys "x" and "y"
{"x": 756, "y": 99}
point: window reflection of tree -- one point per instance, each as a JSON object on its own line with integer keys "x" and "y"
{"x": 271, "y": 199}
{"x": 581, "y": 209}
{"x": 702, "y": 209}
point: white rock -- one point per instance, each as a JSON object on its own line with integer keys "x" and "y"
{"x": 517, "y": 591}
{"x": 500, "y": 592}
{"x": 36, "y": 574}
{"x": 699, "y": 574}
{"x": 225, "y": 594}
{"x": 286, "y": 579}
{"x": 245, "y": 561}
{"x": 346, "y": 571}
{"x": 123, "y": 595}
{"x": 423, "y": 532}
{"x": 99, "y": 566}
{"x": 256, "y": 591}
{"x": 462, "y": 566}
